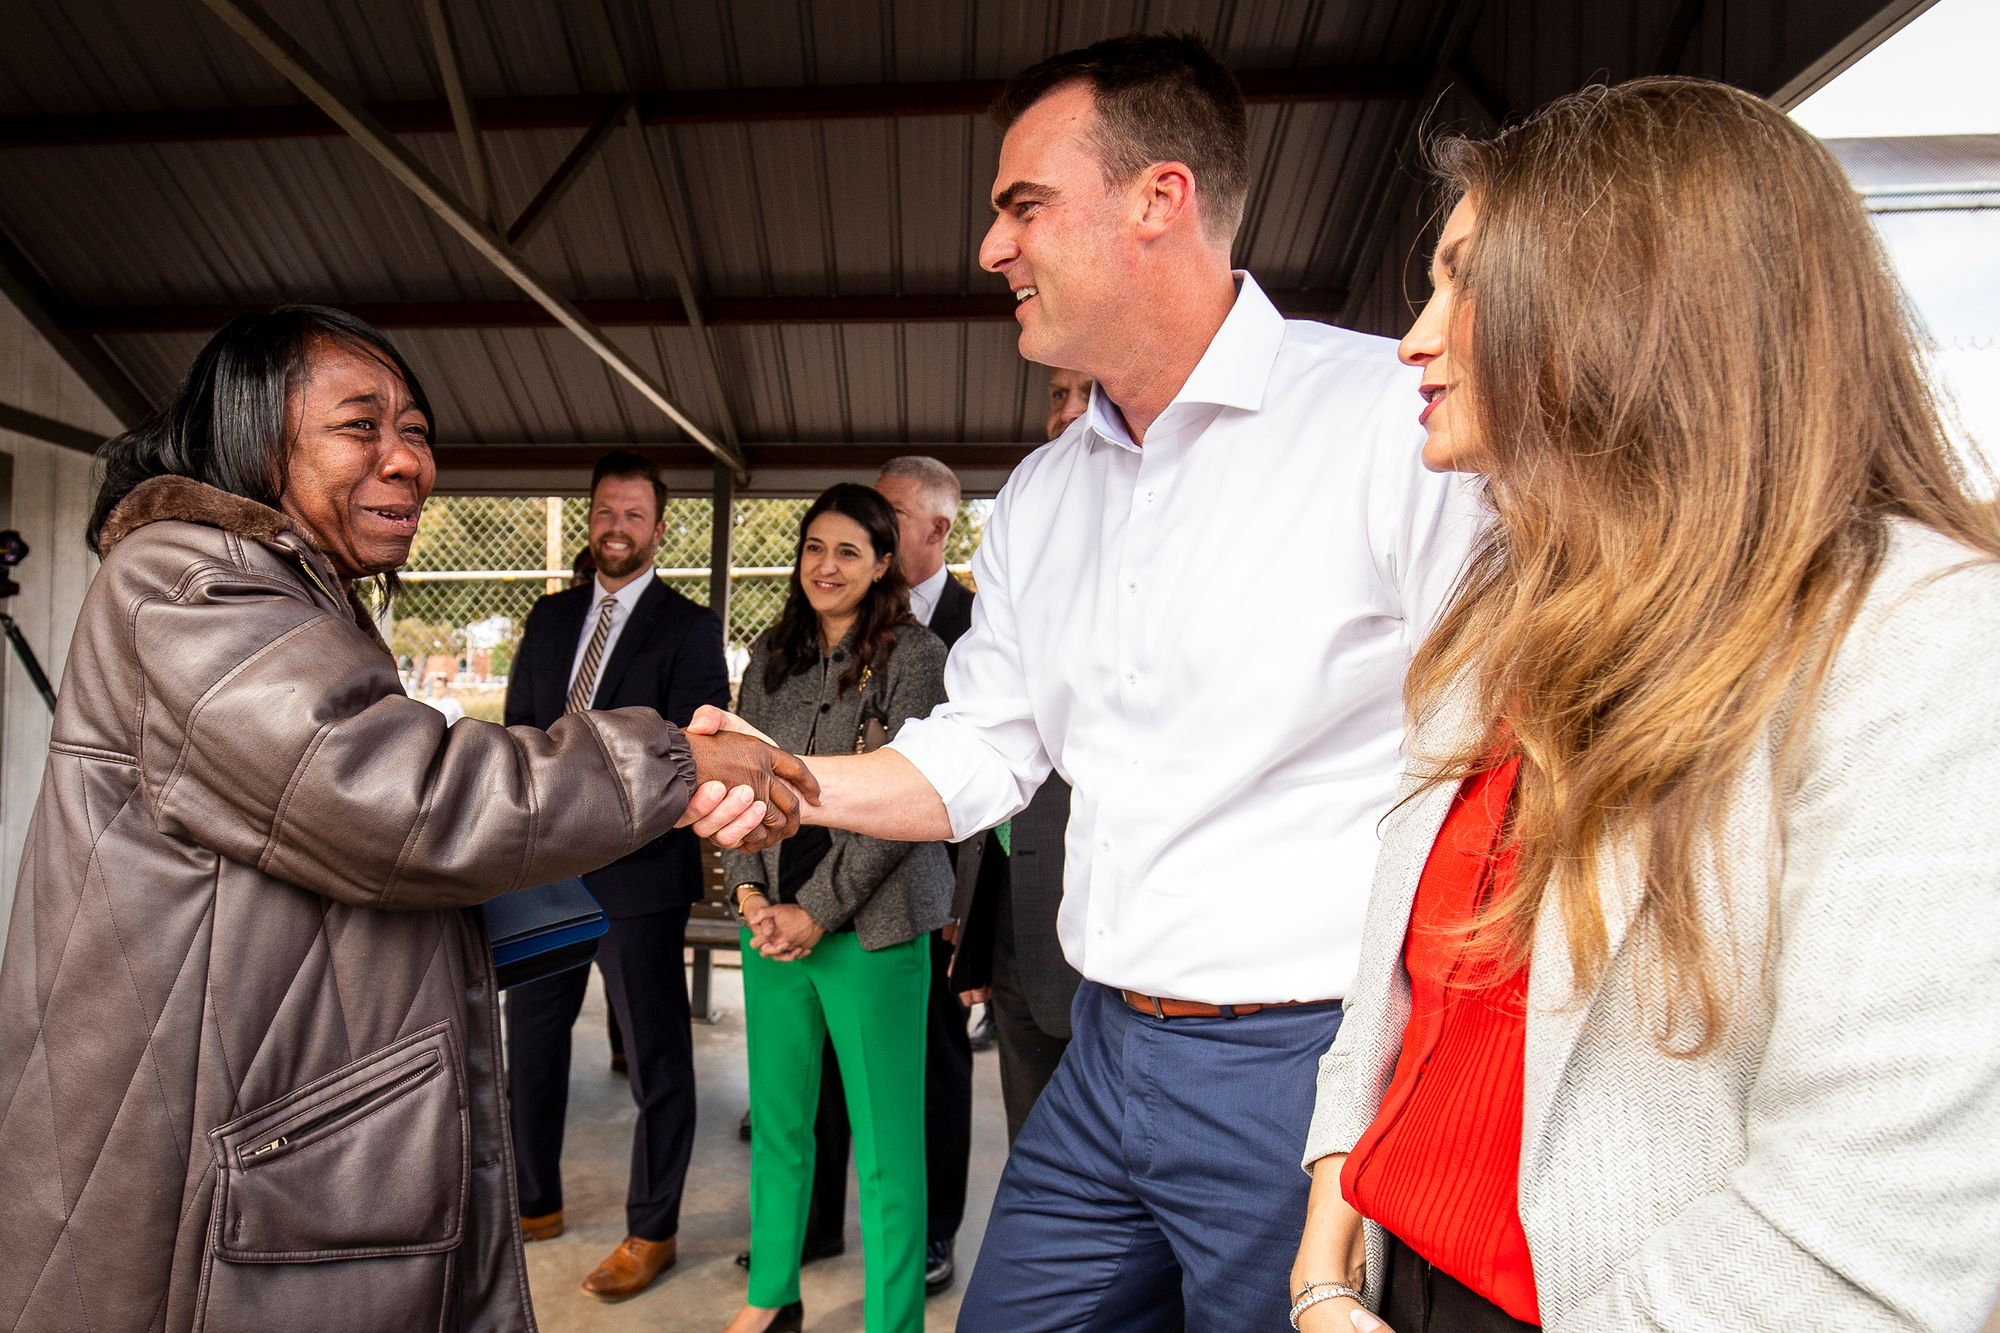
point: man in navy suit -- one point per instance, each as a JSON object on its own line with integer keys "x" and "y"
{"x": 624, "y": 639}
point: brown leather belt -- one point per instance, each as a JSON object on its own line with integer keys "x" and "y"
{"x": 1154, "y": 1006}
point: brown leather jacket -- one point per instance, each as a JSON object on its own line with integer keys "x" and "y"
{"x": 249, "y": 1045}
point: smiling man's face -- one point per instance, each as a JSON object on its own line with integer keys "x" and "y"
{"x": 1064, "y": 241}
{"x": 626, "y": 528}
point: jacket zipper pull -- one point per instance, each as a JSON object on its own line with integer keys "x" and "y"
{"x": 272, "y": 1146}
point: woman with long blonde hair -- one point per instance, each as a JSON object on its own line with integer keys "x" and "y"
{"x": 1680, "y": 987}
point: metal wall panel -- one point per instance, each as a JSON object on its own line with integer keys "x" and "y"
{"x": 49, "y": 491}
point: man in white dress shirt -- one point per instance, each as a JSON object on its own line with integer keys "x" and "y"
{"x": 1197, "y": 605}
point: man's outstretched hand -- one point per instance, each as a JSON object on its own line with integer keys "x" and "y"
{"x": 761, "y": 789}
{"x": 709, "y": 720}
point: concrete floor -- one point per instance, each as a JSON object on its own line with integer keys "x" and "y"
{"x": 705, "y": 1287}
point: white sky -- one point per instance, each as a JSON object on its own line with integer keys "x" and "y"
{"x": 1935, "y": 76}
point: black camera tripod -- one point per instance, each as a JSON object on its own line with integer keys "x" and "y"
{"x": 12, "y": 552}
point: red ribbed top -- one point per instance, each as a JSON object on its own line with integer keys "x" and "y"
{"x": 1441, "y": 1164}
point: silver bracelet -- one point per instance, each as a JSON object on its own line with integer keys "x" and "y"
{"x": 1314, "y": 1292}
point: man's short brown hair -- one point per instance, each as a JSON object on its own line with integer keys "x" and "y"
{"x": 1160, "y": 98}
{"x": 628, "y": 466}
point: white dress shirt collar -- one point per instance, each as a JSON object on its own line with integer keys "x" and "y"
{"x": 924, "y": 596}
{"x": 1233, "y": 372}
{"x": 623, "y": 603}
{"x": 627, "y": 596}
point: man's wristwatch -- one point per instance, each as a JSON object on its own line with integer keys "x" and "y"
{"x": 742, "y": 891}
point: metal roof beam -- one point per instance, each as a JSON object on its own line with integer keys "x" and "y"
{"x": 269, "y": 41}
{"x": 538, "y": 209}
{"x": 789, "y": 455}
{"x": 659, "y": 179}
{"x": 1317, "y": 83}
{"x": 464, "y": 121}
{"x": 22, "y": 285}
{"x": 38, "y": 427}
{"x": 641, "y": 312}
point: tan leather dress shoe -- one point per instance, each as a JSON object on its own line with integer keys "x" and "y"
{"x": 630, "y": 1269}
{"x": 545, "y": 1227}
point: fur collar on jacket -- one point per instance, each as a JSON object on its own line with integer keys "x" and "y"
{"x": 185, "y": 500}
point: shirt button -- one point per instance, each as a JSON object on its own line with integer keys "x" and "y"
{"x": 826, "y": 708}
{"x": 1131, "y": 678}
{"x": 1104, "y": 844}
{"x": 1132, "y": 585}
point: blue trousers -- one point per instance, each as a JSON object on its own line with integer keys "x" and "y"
{"x": 1157, "y": 1177}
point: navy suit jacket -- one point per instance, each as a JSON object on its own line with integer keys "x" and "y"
{"x": 667, "y": 658}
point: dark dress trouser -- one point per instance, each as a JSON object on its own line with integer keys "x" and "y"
{"x": 1028, "y": 1054}
{"x": 947, "y": 1118}
{"x": 646, "y": 986}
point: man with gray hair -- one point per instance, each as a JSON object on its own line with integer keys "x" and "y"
{"x": 925, "y": 495}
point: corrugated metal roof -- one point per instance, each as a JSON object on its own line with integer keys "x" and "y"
{"x": 769, "y": 209}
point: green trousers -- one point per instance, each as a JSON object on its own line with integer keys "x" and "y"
{"x": 873, "y": 1006}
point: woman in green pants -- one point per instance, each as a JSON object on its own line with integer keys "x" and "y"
{"x": 835, "y": 923}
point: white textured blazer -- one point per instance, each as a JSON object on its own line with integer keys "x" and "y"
{"x": 1833, "y": 1162}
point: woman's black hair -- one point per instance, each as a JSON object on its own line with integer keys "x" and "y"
{"x": 226, "y": 424}
{"x": 795, "y": 643}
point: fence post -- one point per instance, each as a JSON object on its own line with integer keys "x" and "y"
{"x": 555, "y": 555}
{"x": 720, "y": 531}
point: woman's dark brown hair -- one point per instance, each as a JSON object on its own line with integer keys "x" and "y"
{"x": 795, "y": 642}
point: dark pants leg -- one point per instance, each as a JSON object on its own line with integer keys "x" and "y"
{"x": 1417, "y": 1298}
{"x": 646, "y": 982}
{"x": 1158, "y": 1172}
{"x": 947, "y": 1098}
{"x": 826, "y": 1217}
{"x": 1028, "y": 1055}
{"x": 539, "y": 1017}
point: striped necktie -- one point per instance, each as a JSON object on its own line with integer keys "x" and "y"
{"x": 585, "y": 684}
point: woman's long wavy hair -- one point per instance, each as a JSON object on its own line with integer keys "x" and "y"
{"x": 1699, "y": 398}
{"x": 795, "y": 643}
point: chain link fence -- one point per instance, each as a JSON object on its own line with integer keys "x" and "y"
{"x": 480, "y": 562}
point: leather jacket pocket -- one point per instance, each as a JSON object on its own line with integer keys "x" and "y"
{"x": 343, "y": 1198}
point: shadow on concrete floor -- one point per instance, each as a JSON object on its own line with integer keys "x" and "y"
{"x": 705, "y": 1287}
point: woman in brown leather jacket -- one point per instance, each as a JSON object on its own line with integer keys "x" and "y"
{"x": 249, "y": 1047}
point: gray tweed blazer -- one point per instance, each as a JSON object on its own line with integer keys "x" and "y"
{"x": 1834, "y": 1161}
{"x": 891, "y": 891}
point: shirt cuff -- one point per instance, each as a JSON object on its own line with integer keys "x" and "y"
{"x": 973, "y": 781}
{"x": 1334, "y": 1128}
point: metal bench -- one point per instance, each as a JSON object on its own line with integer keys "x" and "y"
{"x": 711, "y": 926}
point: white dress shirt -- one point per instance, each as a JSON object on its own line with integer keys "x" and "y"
{"x": 1207, "y": 637}
{"x": 622, "y": 603}
{"x": 924, "y": 596}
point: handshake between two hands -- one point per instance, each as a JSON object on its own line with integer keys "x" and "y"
{"x": 748, "y": 793}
